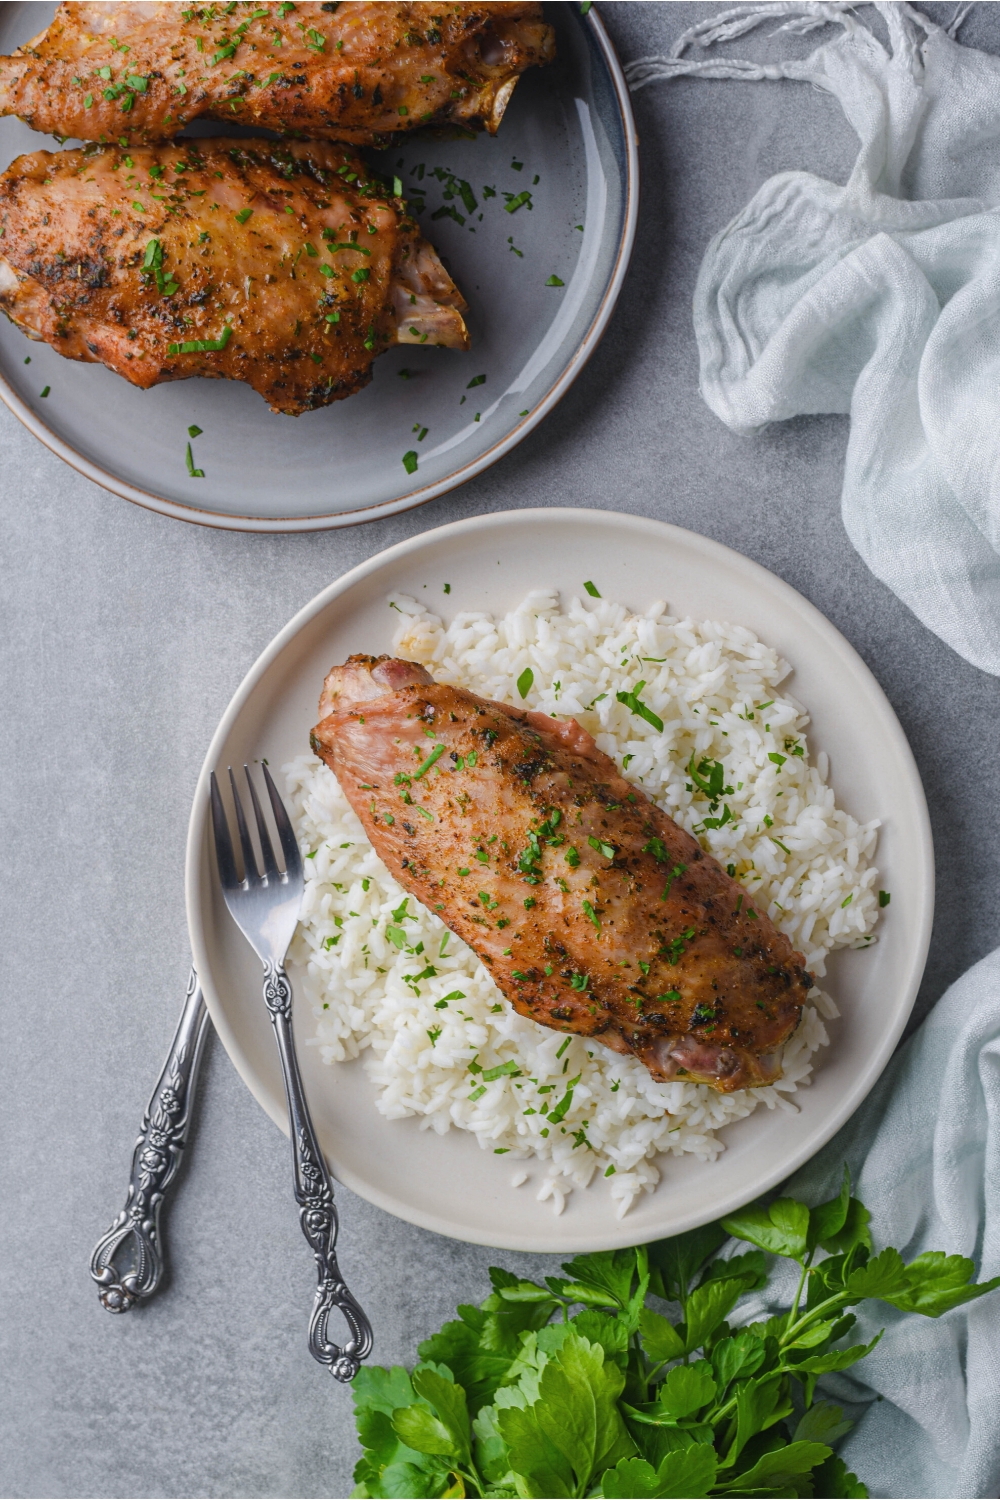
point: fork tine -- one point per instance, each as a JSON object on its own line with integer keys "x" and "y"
{"x": 286, "y": 833}
{"x": 271, "y": 870}
{"x": 223, "y": 841}
{"x": 250, "y": 870}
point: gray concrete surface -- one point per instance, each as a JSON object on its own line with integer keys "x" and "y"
{"x": 123, "y": 637}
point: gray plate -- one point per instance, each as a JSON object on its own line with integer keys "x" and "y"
{"x": 570, "y": 126}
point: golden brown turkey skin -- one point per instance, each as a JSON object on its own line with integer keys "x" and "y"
{"x": 125, "y": 258}
{"x": 595, "y": 913}
{"x": 362, "y": 71}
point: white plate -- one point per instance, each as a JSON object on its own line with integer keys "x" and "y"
{"x": 570, "y": 125}
{"x": 448, "y": 1183}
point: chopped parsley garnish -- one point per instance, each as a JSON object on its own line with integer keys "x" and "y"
{"x": 525, "y": 681}
{"x": 704, "y": 1015}
{"x": 709, "y": 777}
{"x": 202, "y": 346}
{"x": 554, "y": 281}
{"x": 512, "y": 206}
{"x": 884, "y": 898}
{"x": 591, "y": 913}
{"x": 434, "y": 756}
{"x": 410, "y": 462}
{"x": 560, "y": 1110}
{"x": 194, "y": 473}
{"x": 476, "y": 380}
{"x": 608, "y": 850}
{"x": 579, "y": 982}
{"x": 194, "y": 431}
{"x": 448, "y": 211}
{"x": 243, "y": 215}
{"x": 509, "y": 1069}
{"x": 675, "y": 948}
{"x": 632, "y": 701}
{"x": 592, "y": 589}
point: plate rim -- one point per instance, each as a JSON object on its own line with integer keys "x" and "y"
{"x": 423, "y": 494}
{"x": 617, "y": 1234}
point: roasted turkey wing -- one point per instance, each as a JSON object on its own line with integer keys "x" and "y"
{"x": 286, "y": 266}
{"x": 362, "y": 71}
{"x": 595, "y": 913}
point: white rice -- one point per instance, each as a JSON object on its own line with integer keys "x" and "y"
{"x": 805, "y": 861}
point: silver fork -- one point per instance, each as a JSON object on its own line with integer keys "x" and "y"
{"x": 265, "y": 907}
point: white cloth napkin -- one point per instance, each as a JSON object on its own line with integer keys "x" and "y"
{"x": 924, "y": 1153}
{"x": 880, "y": 298}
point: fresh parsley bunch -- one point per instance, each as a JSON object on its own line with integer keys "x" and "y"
{"x": 615, "y": 1399}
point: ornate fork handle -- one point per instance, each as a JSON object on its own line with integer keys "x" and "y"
{"x": 314, "y": 1195}
{"x": 155, "y": 1161}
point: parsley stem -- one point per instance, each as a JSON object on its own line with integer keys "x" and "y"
{"x": 792, "y": 1333}
{"x": 798, "y": 1289}
{"x": 471, "y": 1474}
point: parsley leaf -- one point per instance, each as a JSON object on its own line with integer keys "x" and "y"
{"x": 632, "y": 700}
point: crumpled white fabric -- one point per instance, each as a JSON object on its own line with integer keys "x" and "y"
{"x": 880, "y": 298}
{"x": 924, "y": 1154}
